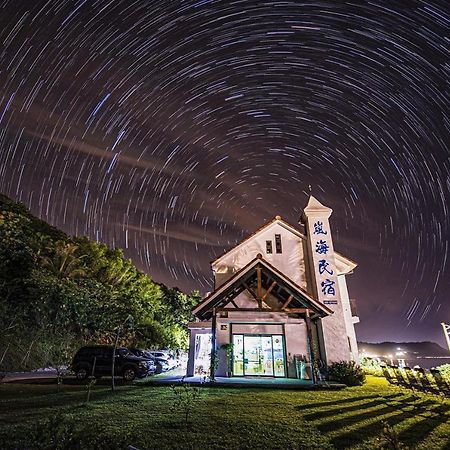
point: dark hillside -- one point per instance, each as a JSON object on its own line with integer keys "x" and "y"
{"x": 58, "y": 291}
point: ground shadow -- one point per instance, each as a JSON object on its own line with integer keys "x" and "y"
{"x": 363, "y": 418}
{"x": 438, "y": 415}
{"x": 334, "y": 402}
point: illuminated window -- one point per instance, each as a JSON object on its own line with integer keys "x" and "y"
{"x": 278, "y": 243}
{"x": 268, "y": 246}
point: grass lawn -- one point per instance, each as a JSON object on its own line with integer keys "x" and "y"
{"x": 221, "y": 418}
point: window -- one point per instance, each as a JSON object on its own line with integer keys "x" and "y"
{"x": 268, "y": 246}
{"x": 278, "y": 243}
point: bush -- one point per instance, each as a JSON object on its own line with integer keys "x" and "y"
{"x": 59, "y": 432}
{"x": 445, "y": 371}
{"x": 371, "y": 366}
{"x": 346, "y": 372}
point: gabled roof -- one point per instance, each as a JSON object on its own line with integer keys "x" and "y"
{"x": 344, "y": 264}
{"x": 276, "y": 219}
{"x": 235, "y": 285}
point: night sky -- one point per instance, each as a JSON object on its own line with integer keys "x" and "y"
{"x": 173, "y": 129}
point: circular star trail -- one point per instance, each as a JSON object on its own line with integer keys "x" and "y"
{"x": 174, "y": 129}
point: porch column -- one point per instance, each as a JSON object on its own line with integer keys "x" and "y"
{"x": 212, "y": 370}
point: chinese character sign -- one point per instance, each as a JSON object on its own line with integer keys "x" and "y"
{"x": 322, "y": 247}
{"x": 324, "y": 266}
{"x": 324, "y": 262}
{"x": 328, "y": 287}
{"x": 318, "y": 228}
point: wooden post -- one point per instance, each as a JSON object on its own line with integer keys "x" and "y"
{"x": 212, "y": 370}
{"x": 259, "y": 287}
{"x": 312, "y": 351}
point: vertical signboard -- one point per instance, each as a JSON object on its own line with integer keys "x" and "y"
{"x": 323, "y": 269}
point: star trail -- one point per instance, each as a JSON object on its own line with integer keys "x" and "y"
{"x": 173, "y": 129}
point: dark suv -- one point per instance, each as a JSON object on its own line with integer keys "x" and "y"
{"x": 126, "y": 364}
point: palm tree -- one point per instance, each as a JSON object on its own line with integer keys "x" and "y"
{"x": 65, "y": 263}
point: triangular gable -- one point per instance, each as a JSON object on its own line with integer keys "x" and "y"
{"x": 276, "y": 219}
{"x": 344, "y": 265}
{"x": 238, "y": 283}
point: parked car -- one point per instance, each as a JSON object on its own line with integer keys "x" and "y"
{"x": 126, "y": 364}
{"x": 161, "y": 364}
{"x": 165, "y": 356}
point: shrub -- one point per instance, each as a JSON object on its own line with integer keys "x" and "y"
{"x": 371, "y": 366}
{"x": 185, "y": 398}
{"x": 59, "y": 432}
{"x": 445, "y": 371}
{"x": 346, "y": 372}
{"x": 389, "y": 438}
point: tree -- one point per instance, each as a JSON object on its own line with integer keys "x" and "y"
{"x": 51, "y": 282}
{"x": 65, "y": 262}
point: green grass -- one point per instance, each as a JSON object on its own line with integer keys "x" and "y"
{"x": 222, "y": 418}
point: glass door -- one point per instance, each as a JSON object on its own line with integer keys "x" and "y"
{"x": 278, "y": 355}
{"x": 258, "y": 355}
{"x": 238, "y": 355}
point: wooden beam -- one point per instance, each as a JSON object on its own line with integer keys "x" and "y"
{"x": 298, "y": 311}
{"x": 269, "y": 291}
{"x": 243, "y": 309}
{"x": 250, "y": 290}
{"x": 247, "y": 310}
{"x": 259, "y": 286}
{"x": 234, "y": 304}
{"x": 304, "y": 311}
{"x": 286, "y": 303}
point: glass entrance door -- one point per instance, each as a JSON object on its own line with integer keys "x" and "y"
{"x": 258, "y": 358}
{"x": 258, "y": 355}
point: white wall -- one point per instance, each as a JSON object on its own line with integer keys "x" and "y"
{"x": 348, "y": 318}
{"x": 296, "y": 345}
{"x": 290, "y": 261}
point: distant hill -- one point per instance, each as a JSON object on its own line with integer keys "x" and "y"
{"x": 422, "y": 354}
{"x": 418, "y": 349}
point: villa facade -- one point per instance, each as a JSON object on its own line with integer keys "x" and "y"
{"x": 280, "y": 307}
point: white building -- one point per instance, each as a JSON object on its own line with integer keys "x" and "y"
{"x": 280, "y": 306}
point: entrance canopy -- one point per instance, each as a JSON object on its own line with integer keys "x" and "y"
{"x": 263, "y": 282}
